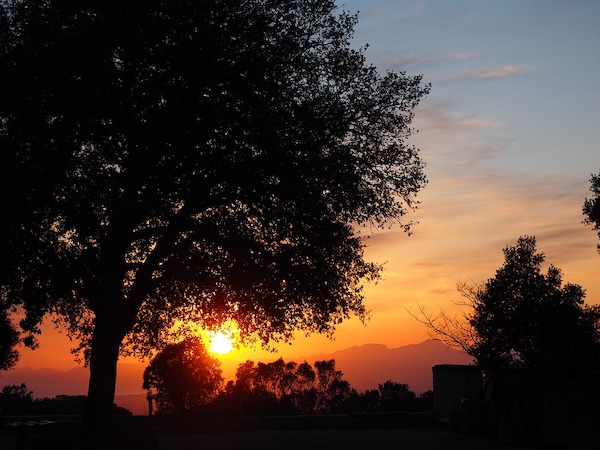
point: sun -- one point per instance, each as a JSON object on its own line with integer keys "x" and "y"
{"x": 221, "y": 342}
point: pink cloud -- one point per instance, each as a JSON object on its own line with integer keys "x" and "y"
{"x": 498, "y": 72}
{"x": 461, "y": 56}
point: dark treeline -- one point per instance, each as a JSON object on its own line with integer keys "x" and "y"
{"x": 289, "y": 388}
{"x": 276, "y": 388}
{"x": 185, "y": 379}
{"x": 19, "y": 400}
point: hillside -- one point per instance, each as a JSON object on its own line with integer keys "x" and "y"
{"x": 368, "y": 365}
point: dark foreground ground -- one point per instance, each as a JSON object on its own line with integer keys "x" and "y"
{"x": 144, "y": 433}
{"x": 421, "y": 438}
{"x": 417, "y": 438}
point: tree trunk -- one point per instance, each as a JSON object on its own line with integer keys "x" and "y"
{"x": 103, "y": 376}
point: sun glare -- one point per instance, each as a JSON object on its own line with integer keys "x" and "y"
{"x": 221, "y": 342}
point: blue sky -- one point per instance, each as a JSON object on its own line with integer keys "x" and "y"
{"x": 526, "y": 69}
{"x": 510, "y": 134}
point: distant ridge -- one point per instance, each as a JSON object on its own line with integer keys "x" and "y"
{"x": 51, "y": 382}
{"x": 366, "y": 366}
{"x": 47, "y": 382}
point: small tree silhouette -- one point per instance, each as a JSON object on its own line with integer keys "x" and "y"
{"x": 183, "y": 377}
{"x": 16, "y": 399}
{"x": 522, "y": 317}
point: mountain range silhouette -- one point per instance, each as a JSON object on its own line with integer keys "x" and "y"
{"x": 367, "y": 366}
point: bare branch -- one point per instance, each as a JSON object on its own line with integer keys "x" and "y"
{"x": 453, "y": 331}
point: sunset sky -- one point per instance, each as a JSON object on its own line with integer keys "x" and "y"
{"x": 510, "y": 134}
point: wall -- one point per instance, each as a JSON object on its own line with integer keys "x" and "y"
{"x": 452, "y": 384}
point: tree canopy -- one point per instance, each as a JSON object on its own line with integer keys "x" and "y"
{"x": 16, "y": 399}
{"x": 183, "y": 377}
{"x": 591, "y": 206}
{"x": 394, "y": 396}
{"x": 523, "y": 317}
{"x": 289, "y": 387}
{"x": 193, "y": 160}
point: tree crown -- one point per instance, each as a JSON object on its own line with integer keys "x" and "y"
{"x": 200, "y": 161}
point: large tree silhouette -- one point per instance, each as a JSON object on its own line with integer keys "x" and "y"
{"x": 198, "y": 160}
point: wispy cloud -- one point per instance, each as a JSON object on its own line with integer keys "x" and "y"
{"x": 476, "y": 122}
{"x": 467, "y": 218}
{"x": 462, "y": 56}
{"x": 438, "y": 117}
{"x": 447, "y": 137}
{"x": 495, "y": 72}
{"x": 420, "y": 61}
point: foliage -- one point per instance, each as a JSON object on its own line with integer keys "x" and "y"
{"x": 283, "y": 387}
{"x": 367, "y": 401}
{"x": 424, "y": 402}
{"x": 183, "y": 377}
{"x": 18, "y": 400}
{"x": 196, "y": 161}
{"x": 15, "y": 399}
{"x": 9, "y": 338}
{"x": 591, "y": 206}
{"x": 289, "y": 388}
{"x": 389, "y": 396}
{"x": 523, "y": 317}
{"x": 395, "y": 396}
